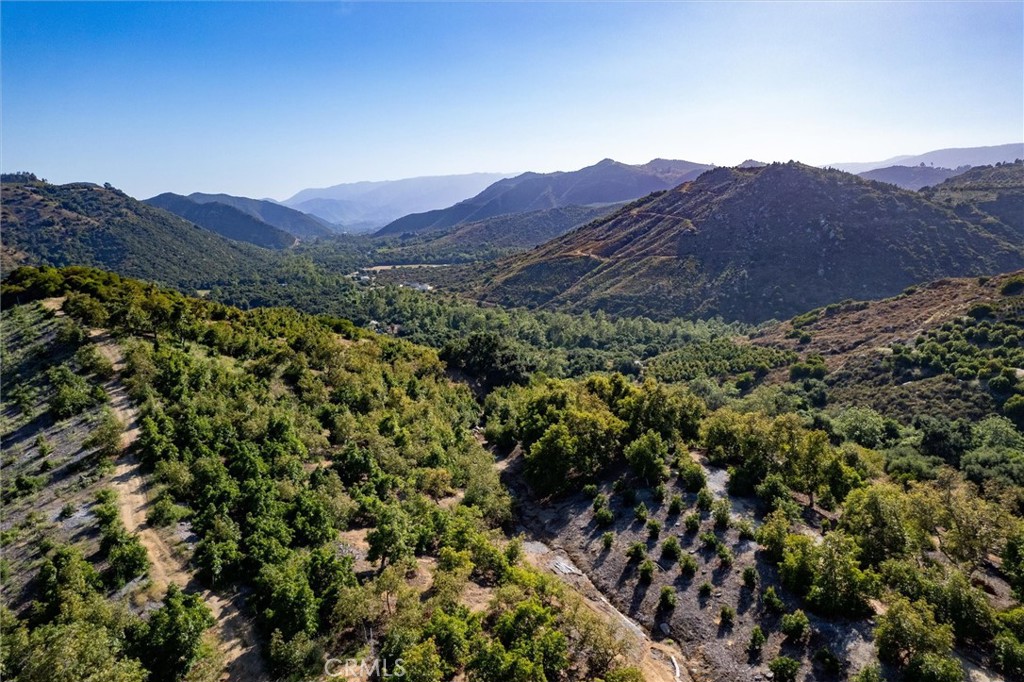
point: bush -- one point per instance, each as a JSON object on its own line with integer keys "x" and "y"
{"x": 692, "y": 523}
{"x": 670, "y": 549}
{"x": 675, "y": 505}
{"x": 687, "y": 565}
{"x": 646, "y": 571}
{"x": 771, "y": 600}
{"x": 784, "y": 668}
{"x": 721, "y": 512}
{"x": 750, "y": 577}
{"x": 795, "y": 625}
{"x": 590, "y": 490}
{"x": 757, "y": 641}
{"x": 726, "y": 615}
{"x": 636, "y": 552}
{"x": 640, "y": 512}
{"x": 607, "y": 539}
{"x": 604, "y": 517}
{"x": 667, "y": 599}
{"x": 705, "y": 589}
{"x": 691, "y": 476}
{"x": 725, "y": 556}
{"x": 653, "y": 529}
{"x": 705, "y": 499}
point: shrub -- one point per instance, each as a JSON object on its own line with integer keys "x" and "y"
{"x": 636, "y": 552}
{"x": 745, "y": 529}
{"x": 640, "y": 512}
{"x": 692, "y": 523}
{"x": 795, "y": 625}
{"x": 757, "y": 641}
{"x": 726, "y": 615}
{"x": 667, "y": 599}
{"x": 607, "y": 539}
{"x": 600, "y": 502}
{"x": 784, "y": 668}
{"x": 725, "y": 556}
{"x": 705, "y": 589}
{"x": 646, "y": 571}
{"x": 687, "y": 565}
{"x": 750, "y": 577}
{"x": 709, "y": 540}
{"x": 771, "y": 600}
{"x": 721, "y": 512}
{"x": 705, "y": 499}
{"x": 691, "y": 476}
{"x": 653, "y": 529}
{"x": 590, "y": 490}
{"x": 675, "y": 505}
{"x": 604, "y": 517}
{"x": 670, "y": 549}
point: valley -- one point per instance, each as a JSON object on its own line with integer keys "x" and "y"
{"x": 564, "y": 443}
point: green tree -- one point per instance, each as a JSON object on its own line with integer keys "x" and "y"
{"x": 174, "y": 636}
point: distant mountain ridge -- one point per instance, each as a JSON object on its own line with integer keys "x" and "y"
{"x": 294, "y": 222}
{"x": 911, "y": 177}
{"x": 953, "y": 157}
{"x": 225, "y": 220}
{"x": 753, "y": 244}
{"x": 365, "y": 206}
{"x": 606, "y": 182}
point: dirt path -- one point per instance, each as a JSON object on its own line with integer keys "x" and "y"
{"x": 235, "y": 632}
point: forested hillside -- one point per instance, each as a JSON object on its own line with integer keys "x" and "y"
{"x": 85, "y": 224}
{"x": 329, "y": 473}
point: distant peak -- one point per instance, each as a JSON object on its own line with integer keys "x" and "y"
{"x": 752, "y": 163}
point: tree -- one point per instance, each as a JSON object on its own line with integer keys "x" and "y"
{"x": 646, "y": 455}
{"x": 76, "y": 651}
{"x": 839, "y": 586}
{"x": 908, "y": 630}
{"x": 389, "y": 540}
{"x": 174, "y": 636}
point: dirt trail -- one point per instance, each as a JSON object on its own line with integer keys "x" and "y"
{"x": 235, "y": 632}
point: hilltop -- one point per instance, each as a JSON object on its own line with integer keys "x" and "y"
{"x": 753, "y": 244}
{"x": 606, "y": 182}
{"x": 225, "y": 220}
{"x": 984, "y": 193}
{"x": 294, "y": 222}
{"x": 85, "y": 224}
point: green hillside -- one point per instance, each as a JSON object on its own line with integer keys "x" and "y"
{"x": 85, "y": 224}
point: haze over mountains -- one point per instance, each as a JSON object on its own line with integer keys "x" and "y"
{"x": 953, "y": 157}
{"x": 757, "y": 243}
{"x": 748, "y": 243}
{"x": 365, "y": 206}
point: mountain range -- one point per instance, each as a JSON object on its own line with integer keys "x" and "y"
{"x": 225, "y": 220}
{"x": 366, "y": 206}
{"x": 759, "y": 243}
{"x": 603, "y": 183}
{"x": 302, "y": 225}
{"x": 947, "y": 158}
{"x": 912, "y": 177}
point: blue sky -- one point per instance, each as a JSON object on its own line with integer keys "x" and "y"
{"x": 263, "y": 99}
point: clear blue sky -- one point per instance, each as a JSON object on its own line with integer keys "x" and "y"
{"x": 265, "y": 99}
